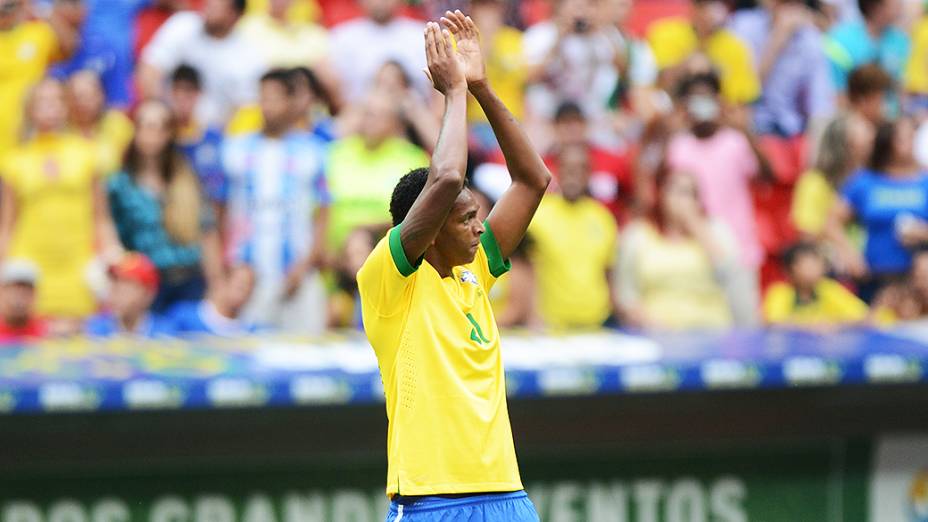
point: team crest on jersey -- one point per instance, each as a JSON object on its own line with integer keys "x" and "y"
{"x": 468, "y": 277}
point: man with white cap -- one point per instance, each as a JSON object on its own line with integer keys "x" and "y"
{"x": 18, "y": 323}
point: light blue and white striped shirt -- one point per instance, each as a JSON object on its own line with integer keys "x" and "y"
{"x": 275, "y": 186}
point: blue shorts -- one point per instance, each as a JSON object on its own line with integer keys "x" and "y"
{"x": 491, "y": 507}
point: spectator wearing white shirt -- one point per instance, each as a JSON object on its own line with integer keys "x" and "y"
{"x": 360, "y": 47}
{"x": 208, "y": 42}
{"x": 576, "y": 56}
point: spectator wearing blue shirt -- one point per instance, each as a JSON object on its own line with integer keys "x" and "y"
{"x": 106, "y": 47}
{"x": 133, "y": 290}
{"x": 202, "y": 145}
{"x": 220, "y": 313}
{"x": 872, "y": 39}
{"x": 889, "y": 199}
{"x": 794, "y": 71}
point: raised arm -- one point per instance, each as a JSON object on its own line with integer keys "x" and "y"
{"x": 449, "y": 161}
{"x": 514, "y": 211}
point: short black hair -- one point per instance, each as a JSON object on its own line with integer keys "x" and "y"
{"x": 568, "y": 109}
{"x": 689, "y": 83}
{"x": 281, "y": 76}
{"x": 797, "y": 250}
{"x": 405, "y": 192}
{"x": 239, "y": 6}
{"x": 185, "y": 73}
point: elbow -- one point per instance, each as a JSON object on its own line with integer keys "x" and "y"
{"x": 449, "y": 177}
{"x": 542, "y": 181}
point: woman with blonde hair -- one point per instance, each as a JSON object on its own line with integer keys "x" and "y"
{"x": 159, "y": 210}
{"x": 54, "y": 210}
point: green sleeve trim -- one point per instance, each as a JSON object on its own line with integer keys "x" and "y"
{"x": 498, "y": 265}
{"x": 399, "y": 255}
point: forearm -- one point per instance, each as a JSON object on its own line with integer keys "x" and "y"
{"x": 107, "y": 238}
{"x": 68, "y": 37}
{"x": 524, "y": 163}
{"x": 317, "y": 254}
{"x": 149, "y": 81}
{"x": 211, "y": 259}
{"x": 450, "y": 156}
{"x": 772, "y": 53}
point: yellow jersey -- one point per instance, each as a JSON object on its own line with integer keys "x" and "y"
{"x": 112, "y": 136}
{"x": 916, "y": 72}
{"x": 52, "y": 178}
{"x": 437, "y": 345}
{"x": 573, "y": 245}
{"x": 831, "y": 304}
{"x": 25, "y": 53}
{"x": 673, "y": 40}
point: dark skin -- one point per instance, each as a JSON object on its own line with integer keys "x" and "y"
{"x": 442, "y": 224}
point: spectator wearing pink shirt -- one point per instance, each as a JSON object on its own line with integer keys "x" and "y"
{"x": 723, "y": 162}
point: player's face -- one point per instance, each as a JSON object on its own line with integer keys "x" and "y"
{"x": 460, "y": 236}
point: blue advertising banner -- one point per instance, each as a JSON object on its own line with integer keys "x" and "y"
{"x": 127, "y": 374}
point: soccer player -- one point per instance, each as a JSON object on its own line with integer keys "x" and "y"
{"x": 427, "y": 315}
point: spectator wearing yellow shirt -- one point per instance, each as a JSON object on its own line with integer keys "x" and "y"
{"x": 282, "y": 41}
{"x": 844, "y": 147}
{"x": 677, "y": 43}
{"x": 109, "y": 129}
{"x": 364, "y": 167}
{"x": 54, "y": 211}
{"x": 573, "y": 244}
{"x": 505, "y": 65}
{"x": 916, "y": 70}
{"x": 809, "y": 298}
{"x": 675, "y": 265}
{"x": 27, "y": 47}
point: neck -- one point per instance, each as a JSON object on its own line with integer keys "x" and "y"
{"x": 274, "y": 131}
{"x": 86, "y": 126}
{"x": 130, "y": 322}
{"x": 441, "y": 265}
{"x": 148, "y": 163}
{"x": 875, "y": 29}
{"x": 901, "y": 169}
{"x": 218, "y": 32}
{"x": 703, "y": 32}
{"x": 373, "y": 143}
{"x": 805, "y": 292}
{"x": 674, "y": 228}
{"x": 17, "y": 321}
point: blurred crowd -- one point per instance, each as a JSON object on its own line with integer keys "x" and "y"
{"x": 174, "y": 167}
